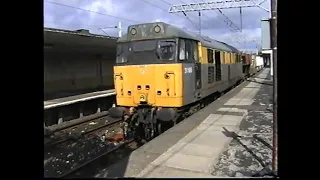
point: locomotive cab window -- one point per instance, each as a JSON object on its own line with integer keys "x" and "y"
{"x": 167, "y": 50}
{"x": 187, "y": 51}
{"x": 146, "y": 51}
{"x": 144, "y": 45}
{"x": 122, "y": 52}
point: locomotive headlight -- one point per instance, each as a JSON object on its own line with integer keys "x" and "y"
{"x": 133, "y": 31}
{"x": 157, "y": 29}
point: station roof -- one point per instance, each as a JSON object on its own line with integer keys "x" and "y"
{"x": 66, "y": 40}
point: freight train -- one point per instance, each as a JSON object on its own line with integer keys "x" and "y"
{"x": 163, "y": 73}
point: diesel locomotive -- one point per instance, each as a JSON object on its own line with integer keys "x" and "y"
{"x": 163, "y": 73}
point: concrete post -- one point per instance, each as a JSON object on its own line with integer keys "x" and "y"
{"x": 271, "y": 63}
{"x": 120, "y": 29}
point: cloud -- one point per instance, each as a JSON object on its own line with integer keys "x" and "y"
{"x": 110, "y": 12}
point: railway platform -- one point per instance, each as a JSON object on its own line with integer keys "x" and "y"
{"x": 76, "y": 99}
{"x": 204, "y": 144}
{"x": 60, "y": 110}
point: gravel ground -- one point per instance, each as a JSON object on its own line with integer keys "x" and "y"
{"x": 70, "y": 156}
{"x": 237, "y": 161}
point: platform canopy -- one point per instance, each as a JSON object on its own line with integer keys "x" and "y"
{"x": 59, "y": 40}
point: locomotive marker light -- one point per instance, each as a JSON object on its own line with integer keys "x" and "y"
{"x": 157, "y": 29}
{"x": 133, "y": 31}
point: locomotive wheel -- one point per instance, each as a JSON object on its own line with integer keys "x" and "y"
{"x": 147, "y": 134}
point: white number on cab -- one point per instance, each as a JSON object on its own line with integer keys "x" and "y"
{"x": 188, "y": 70}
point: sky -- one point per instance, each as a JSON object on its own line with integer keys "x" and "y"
{"x": 101, "y": 16}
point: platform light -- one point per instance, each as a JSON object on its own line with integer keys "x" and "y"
{"x": 157, "y": 29}
{"x": 133, "y": 31}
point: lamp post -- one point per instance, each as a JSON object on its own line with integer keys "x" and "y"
{"x": 275, "y": 84}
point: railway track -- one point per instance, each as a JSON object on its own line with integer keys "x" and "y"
{"x": 78, "y": 128}
{"x": 80, "y": 142}
{"x": 64, "y": 163}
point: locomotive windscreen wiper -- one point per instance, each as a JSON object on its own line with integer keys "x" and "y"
{"x": 157, "y": 54}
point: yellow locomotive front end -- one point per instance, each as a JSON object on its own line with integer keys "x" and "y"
{"x": 156, "y": 85}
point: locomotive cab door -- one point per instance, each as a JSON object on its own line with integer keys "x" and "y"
{"x": 197, "y": 69}
{"x": 197, "y": 64}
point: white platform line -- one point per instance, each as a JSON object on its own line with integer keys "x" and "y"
{"x": 78, "y": 100}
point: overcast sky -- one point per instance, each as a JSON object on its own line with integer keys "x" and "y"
{"x": 110, "y": 12}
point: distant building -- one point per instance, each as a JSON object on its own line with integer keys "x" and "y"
{"x": 266, "y": 50}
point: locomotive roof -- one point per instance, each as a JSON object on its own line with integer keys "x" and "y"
{"x": 176, "y": 32}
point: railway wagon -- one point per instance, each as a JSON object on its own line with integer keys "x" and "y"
{"x": 252, "y": 70}
{"x": 247, "y": 62}
{"x": 163, "y": 73}
{"x": 259, "y": 63}
{"x": 256, "y": 64}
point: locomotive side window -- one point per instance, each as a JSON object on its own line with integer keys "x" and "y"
{"x": 186, "y": 52}
{"x": 223, "y": 57}
{"x": 210, "y": 56}
{"x": 182, "y": 50}
{"x": 195, "y": 51}
{"x": 189, "y": 51}
{"x": 233, "y": 60}
{"x": 214, "y": 56}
